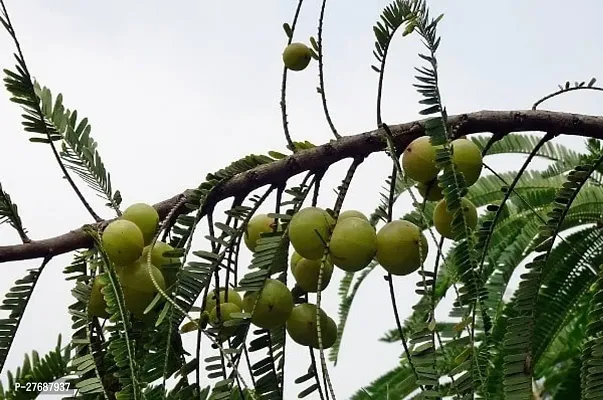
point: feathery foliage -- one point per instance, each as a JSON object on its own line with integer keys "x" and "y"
{"x": 538, "y": 338}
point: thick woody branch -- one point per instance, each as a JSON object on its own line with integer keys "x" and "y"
{"x": 497, "y": 122}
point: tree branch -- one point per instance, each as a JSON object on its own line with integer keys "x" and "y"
{"x": 322, "y": 156}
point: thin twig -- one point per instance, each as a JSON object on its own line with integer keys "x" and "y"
{"x": 11, "y": 31}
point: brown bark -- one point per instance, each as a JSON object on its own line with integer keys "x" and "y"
{"x": 499, "y": 122}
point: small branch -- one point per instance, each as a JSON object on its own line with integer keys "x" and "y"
{"x": 562, "y": 91}
{"x": 321, "y": 76}
{"x": 320, "y": 157}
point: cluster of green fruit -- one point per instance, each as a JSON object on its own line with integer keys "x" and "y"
{"x": 126, "y": 241}
{"x": 418, "y": 161}
{"x": 399, "y": 246}
{"x": 350, "y": 243}
{"x": 273, "y": 308}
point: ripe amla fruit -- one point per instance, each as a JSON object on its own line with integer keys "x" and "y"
{"x": 233, "y": 297}
{"x": 306, "y": 273}
{"x": 97, "y": 306}
{"x": 398, "y": 249}
{"x": 297, "y": 56}
{"x": 226, "y": 309}
{"x": 418, "y": 160}
{"x": 309, "y": 231}
{"x": 167, "y": 265}
{"x": 467, "y": 158}
{"x": 273, "y": 307}
{"x": 123, "y": 242}
{"x": 145, "y": 217}
{"x": 442, "y": 218}
{"x": 301, "y": 326}
{"x": 351, "y": 213}
{"x": 258, "y": 224}
{"x": 353, "y": 244}
{"x": 138, "y": 288}
{"x": 430, "y": 191}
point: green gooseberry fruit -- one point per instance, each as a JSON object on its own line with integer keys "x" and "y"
{"x": 306, "y": 274}
{"x": 123, "y": 242}
{"x": 273, "y": 307}
{"x": 301, "y": 324}
{"x": 97, "y": 306}
{"x": 197, "y": 323}
{"x": 136, "y": 276}
{"x": 167, "y": 265}
{"x": 226, "y": 309}
{"x": 297, "y": 56}
{"x": 467, "y": 158}
{"x": 226, "y": 296}
{"x": 328, "y": 332}
{"x": 258, "y": 224}
{"x": 353, "y": 244}
{"x": 157, "y": 257}
{"x": 351, "y": 213}
{"x": 418, "y": 160}
{"x": 309, "y": 231}
{"x": 302, "y": 329}
{"x": 295, "y": 257}
{"x": 138, "y": 288}
{"x": 442, "y": 218}
{"x": 401, "y": 247}
{"x": 145, "y": 217}
{"x": 137, "y": 301}
{"x": 430, "y": 191}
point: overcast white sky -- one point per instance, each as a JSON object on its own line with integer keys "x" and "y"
{"x": 176, "y": 91}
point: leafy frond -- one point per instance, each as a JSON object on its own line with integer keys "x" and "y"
{"x": 519, "y": 361}
{"x": 521, "y": 143}
{"x": 78, "y": 148}
{"x": 9, "y": 212}
{"x": 86, "y": 339}
{"x": 392, "y": 18}
{"x": 20, "y": 85}
{"x": 16, "y": 301}
{"x": 571, "y": 271}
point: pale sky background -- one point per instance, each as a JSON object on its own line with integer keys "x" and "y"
{"x": 176, "y": 91}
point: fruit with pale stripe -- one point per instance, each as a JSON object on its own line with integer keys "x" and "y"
{"x": 226, "y": 296}
{"x": 138, "y": 287}
{"x": 145, "y": 217}
{"x": 306, "y": 273}
{"x": 123, "y": 242}
{"x": 273, "y": 307}
{"x": 302, "y": 326}
{"x": 418, "y": 160}
{"x": 226, "y": 309}
{"x": 442, "y": 218}
{"x": 309, "y": 231}
{"x": 97, "y": 306}
{"x": 258, "y": 224}
{"x": 401, "y": 247}
{"x": 351, "y": 213}
{"x": 467, "y": 159}
{"x": 353, "y": 244}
